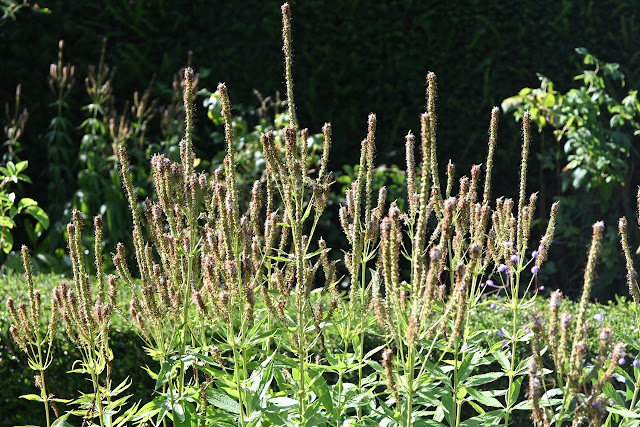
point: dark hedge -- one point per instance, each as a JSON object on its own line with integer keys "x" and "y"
{"x": 351, "y": 58}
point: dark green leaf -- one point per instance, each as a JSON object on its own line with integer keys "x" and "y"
{"x": 448, "y": 403}
{"x": 38, "y": 214}
{"x": 485, "y": 398}
{"x": 480, "y": 379}
{"x": 514, "y": 391}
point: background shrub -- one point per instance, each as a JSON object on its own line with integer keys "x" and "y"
{"x": 350, "y": 59}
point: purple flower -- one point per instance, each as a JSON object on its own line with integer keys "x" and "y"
{"x": 504, "y": 343}
{"x": 541, "y": 288}
{"x": 528, "y": 331}
{"x": 534, "y": 269}
{"x": 492, "y": 306}
{"x": 493, "y": 285}
{"x": 622, "y": 361}
{"x": 534, "y": 254}
{"x": 540, "y": 248}
{"x": 599, "y": 317}
{"x": 515, "y": 258}
{"x": 636, "y": 363}
{"x": 502, "y": 268}
{"x": 500, "y": 334}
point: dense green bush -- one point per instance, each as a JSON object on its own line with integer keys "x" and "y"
{"x": 588, "y": 148}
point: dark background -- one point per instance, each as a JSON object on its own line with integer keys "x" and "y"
{"x": 351, "y": 58}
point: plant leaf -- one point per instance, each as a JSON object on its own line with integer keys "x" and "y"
{"x": 224, "y": 402}
{"x": 33, "y": 397}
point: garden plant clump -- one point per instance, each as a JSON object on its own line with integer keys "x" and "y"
{"x": 238, "y": 302}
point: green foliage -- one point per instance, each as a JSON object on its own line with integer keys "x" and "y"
{"x": 12, "y": 205}
{"x": 130, "y": 356}
{"x": 225, "y": 353}
{"x": 391, "y": 177}
{"x": 9, "y": 9}
{"x": 594, "y": 126}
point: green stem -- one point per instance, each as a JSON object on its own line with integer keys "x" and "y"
{"x": 246, "y": 375}
{"x": 410, "y": 372}
{"x": 187, "y": 299}
{"x": 183, "y": 344}
{"x": 238, "y": 380}
{"x": 43, "y": 385}
{"x": 163, "y": 358}
{"x": 339, "y": 405}
{"x": 301, "y": 362}
{"x": 634, "y": 399}
{"x": 455, "y": 383}
{"x": 363, "y": 271}
{"x": 299, "y": 251}
{"x": 514, "y": 329}
{"x": 566, "y": 394}
{"x": 511, "y": 372}
{"x": 95, "y": 379}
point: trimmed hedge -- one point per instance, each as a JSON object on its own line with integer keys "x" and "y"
{"x": 351, "y": 58}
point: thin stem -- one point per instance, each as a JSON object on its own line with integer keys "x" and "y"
{"x": 163, "y": 359}
{"x": 565, "y": 402}
{"x": 634, "y": 399}
{"x": 236, "y": 362}
{"x": 339, "y": 405}
{"x": 363, "y": 272}
{"x": 245, "y": 371}
{"x": 514, "y": 329}
{"x": 636, "y": 388}
{"x": 43, "y": 386}
{"x": 185, "y": 315}
{"x": 95, "y": 377}
{"x": 187, "y": 299}
{"x": 302, "y": 355}
{"x": 455, "y": 382}
{"x": 410, "y": 372}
